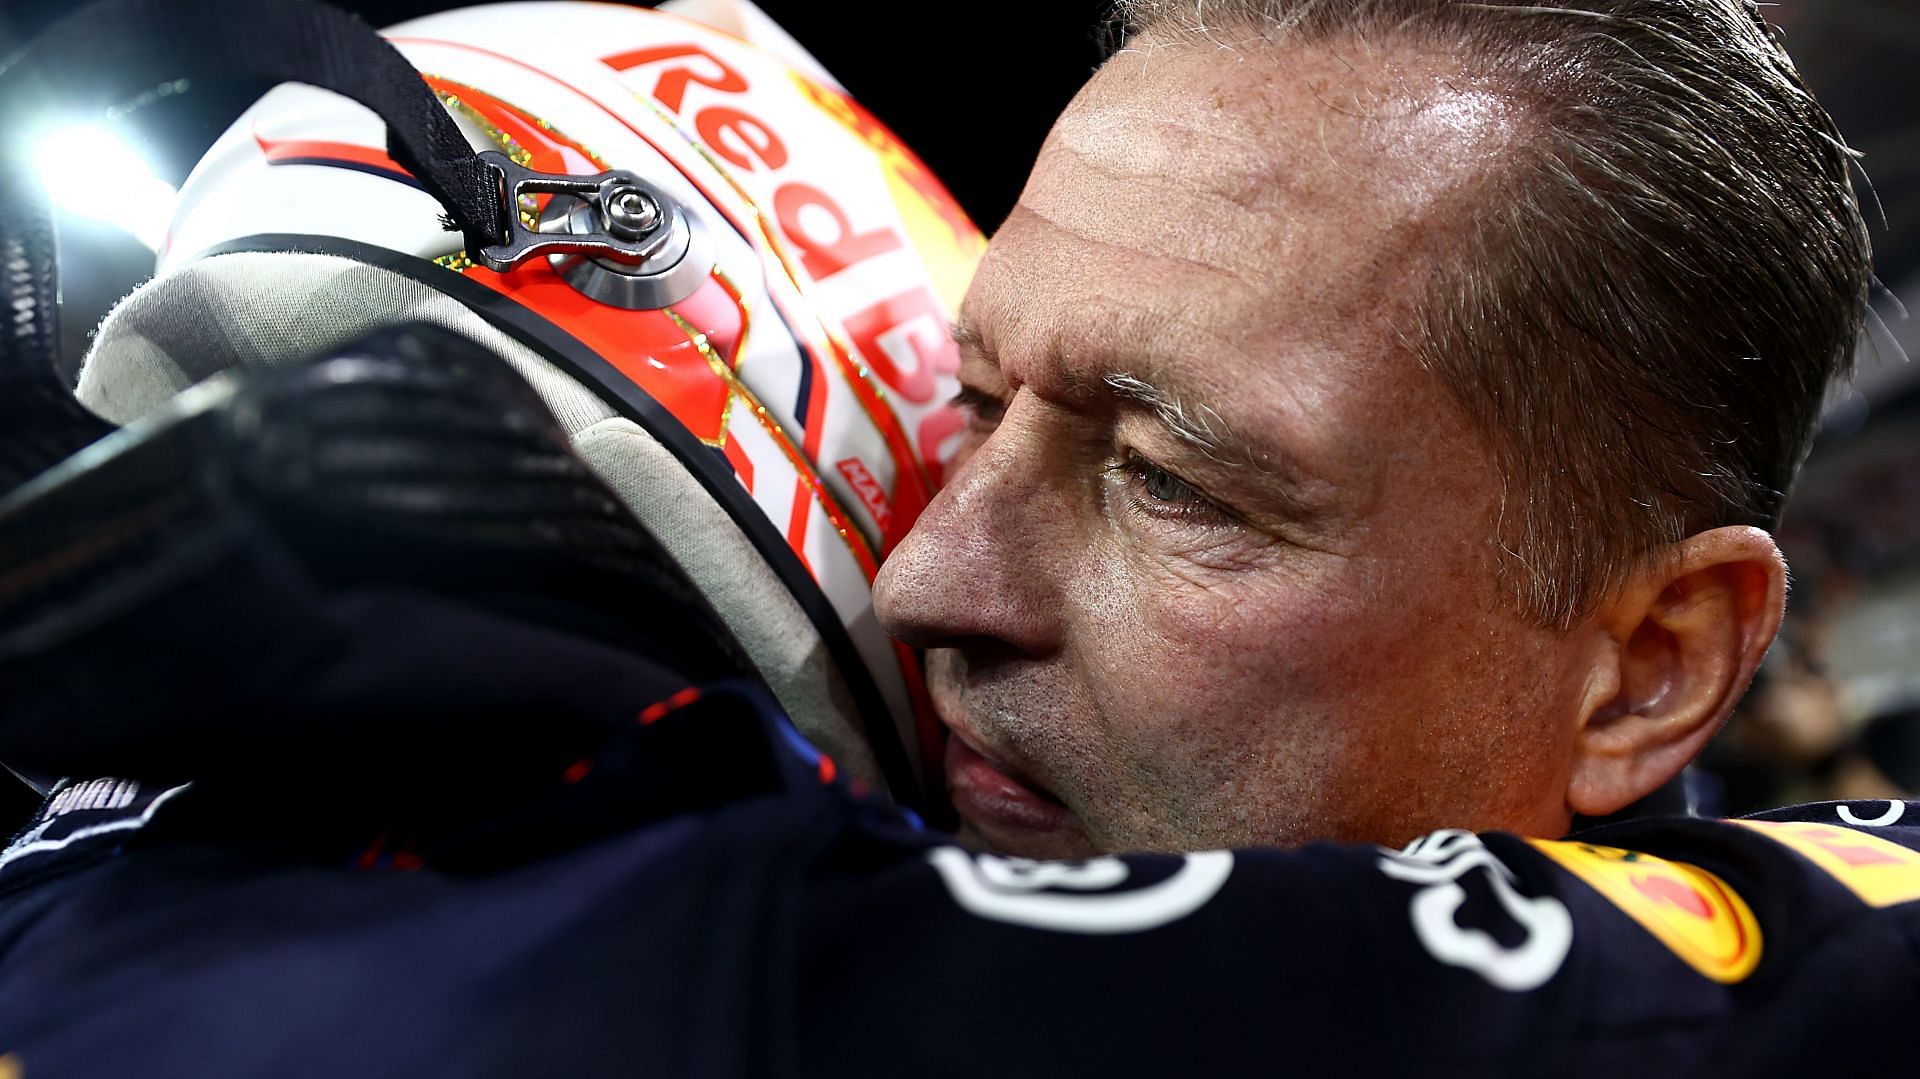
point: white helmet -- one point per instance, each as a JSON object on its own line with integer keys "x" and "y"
{"x": 767, "y": 390}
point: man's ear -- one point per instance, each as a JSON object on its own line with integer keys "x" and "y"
{"x": 1688, "y": 632}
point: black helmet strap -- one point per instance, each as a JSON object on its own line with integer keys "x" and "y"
{"x": 111, "y": 50}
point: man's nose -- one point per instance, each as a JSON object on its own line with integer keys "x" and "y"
{"x": 982, "y": 563}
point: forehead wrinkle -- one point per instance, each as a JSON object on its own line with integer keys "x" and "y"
{"x": 1233, "y": 156}
{"x": 1261, "y": 216}
{"x": 1230, "y": 249}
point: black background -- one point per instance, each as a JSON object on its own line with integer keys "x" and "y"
{"x": 971, "y": 87}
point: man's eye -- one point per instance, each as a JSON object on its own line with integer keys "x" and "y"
{"x": 1164, "y": 494}
{"x": 983, "y": 410}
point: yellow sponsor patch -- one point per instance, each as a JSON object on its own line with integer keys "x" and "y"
{"x": 1686, "y": 908}
{"x": 1880, "y": 872}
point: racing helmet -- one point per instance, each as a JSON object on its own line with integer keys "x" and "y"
{"x": 763, "y": 377}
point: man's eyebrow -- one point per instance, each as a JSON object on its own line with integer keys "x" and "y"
{"x": 967, "y": 335}
{"x": 1196, "y": 423}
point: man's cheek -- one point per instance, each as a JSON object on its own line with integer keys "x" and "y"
{"x": 1225, "y": 651}
{"x": 1293, "y": 614}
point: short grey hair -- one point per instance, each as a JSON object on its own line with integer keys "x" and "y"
{"x": 1651, "y": 305}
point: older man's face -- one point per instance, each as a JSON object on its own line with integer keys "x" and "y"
{"x": 1219, "y": 564}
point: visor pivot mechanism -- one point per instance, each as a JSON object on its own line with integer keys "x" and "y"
{"x": 625, "y": 217}
{"x": 631, "y": 215}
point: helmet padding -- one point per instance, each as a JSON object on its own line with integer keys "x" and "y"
{"x": 253, "y": 309}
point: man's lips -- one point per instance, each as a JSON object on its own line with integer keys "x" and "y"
{"x": 994, "y": 798}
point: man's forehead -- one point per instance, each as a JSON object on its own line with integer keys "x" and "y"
{"x": 1249, "y": 236}
{"x": 1401, "y": 123}
{"x": 1194, "y": 199}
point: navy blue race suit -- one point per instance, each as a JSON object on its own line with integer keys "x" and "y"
{"x": 693, "y": 899}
